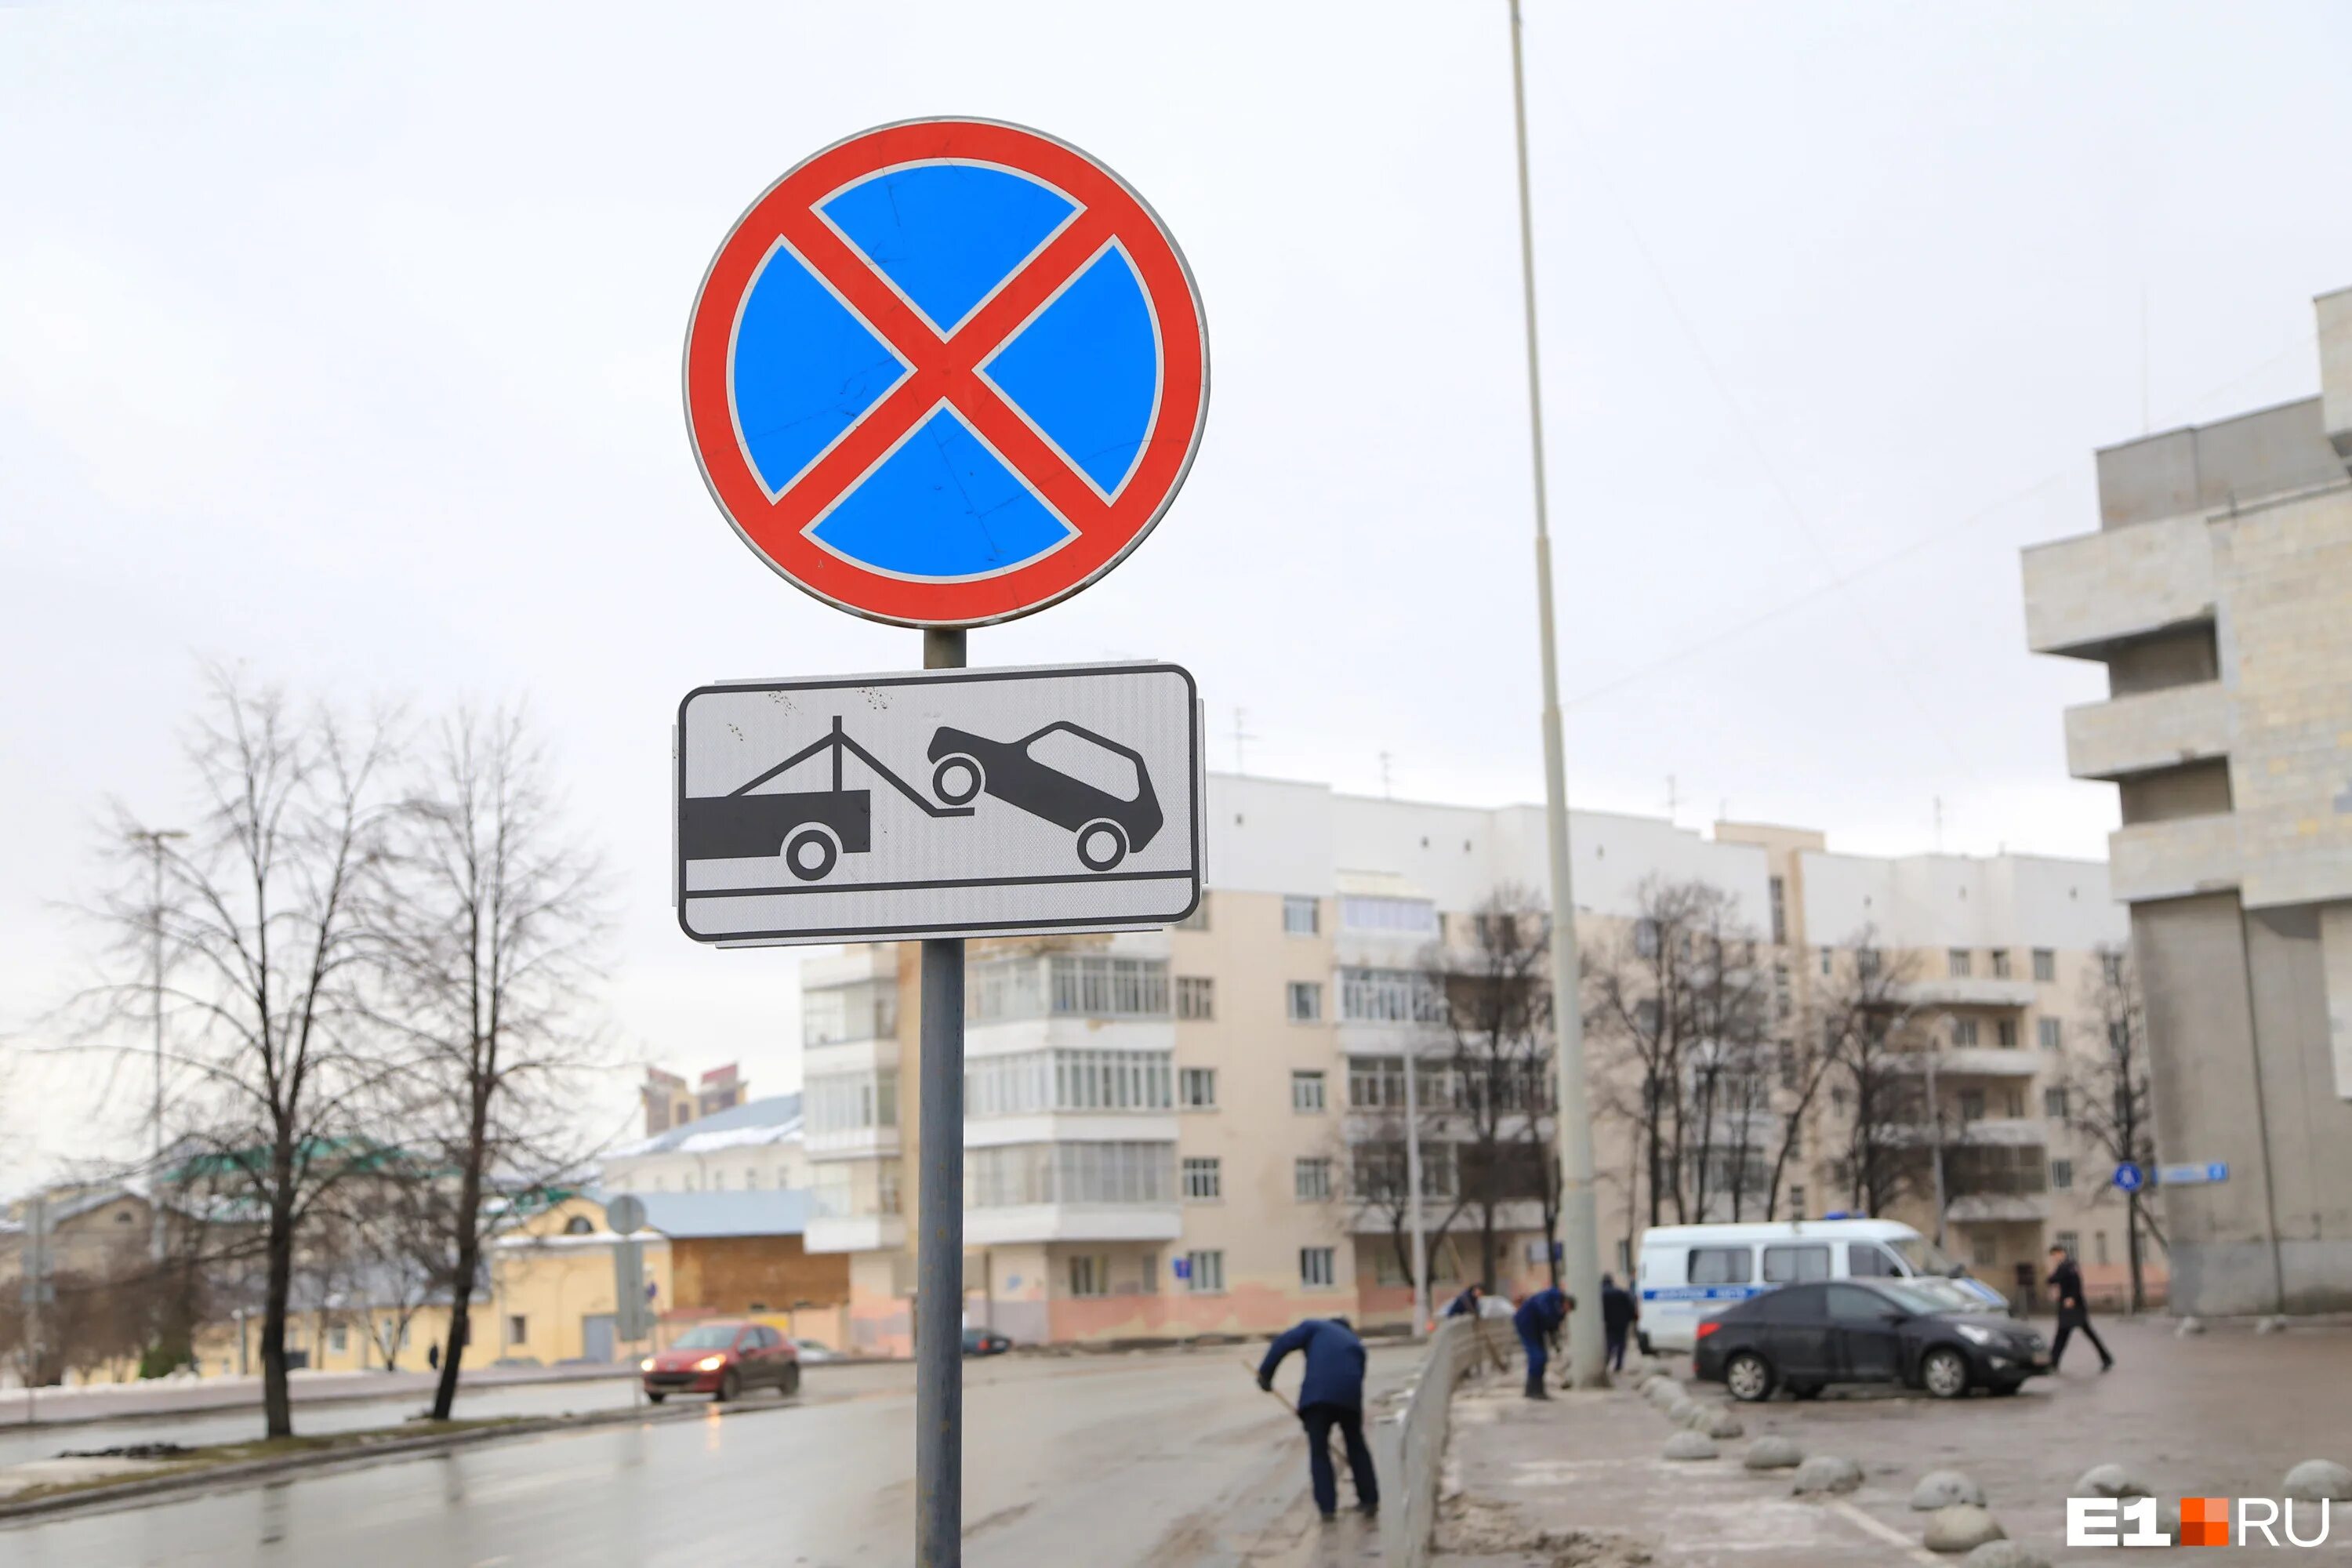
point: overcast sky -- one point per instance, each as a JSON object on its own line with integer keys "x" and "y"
{"x": 344, "y": 342}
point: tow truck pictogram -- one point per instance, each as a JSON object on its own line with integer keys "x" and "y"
{"x": 812, "y": 829}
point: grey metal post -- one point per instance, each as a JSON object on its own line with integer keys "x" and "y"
{"x": 154, "y": 839}
{"x": 938, "y": 1247}
{"x": 1579, "y": 1220}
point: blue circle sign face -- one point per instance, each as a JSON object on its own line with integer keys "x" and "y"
{"x": 2129, "y": 1177}
{"x": 946, "y": 373}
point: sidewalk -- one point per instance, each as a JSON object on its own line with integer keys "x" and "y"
{"x": 177, "y": 1397}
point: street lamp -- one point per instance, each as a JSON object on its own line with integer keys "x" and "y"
{"x": 156, "y": 839}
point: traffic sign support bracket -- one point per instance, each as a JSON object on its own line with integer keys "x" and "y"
{"x": 939, "y": 1245}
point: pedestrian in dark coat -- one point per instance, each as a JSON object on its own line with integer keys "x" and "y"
{"x": 1331, "y": 1394}
{"x": 1619, "y": 1313}
{"x": 1538, "y": 1319}
{"x": 1465, "y": 1305}
{"x": 2074, "y": 1311}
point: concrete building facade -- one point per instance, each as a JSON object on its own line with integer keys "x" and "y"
{"x": 2218, "y": 593}
{"x": 1166, "y": 1132}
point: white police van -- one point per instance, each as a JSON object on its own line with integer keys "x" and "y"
{"x": 1693, "y": 1272}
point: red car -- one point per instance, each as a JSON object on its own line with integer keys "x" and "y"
{"x": 722, "y": 1359}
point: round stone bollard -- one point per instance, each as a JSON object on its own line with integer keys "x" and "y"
{"x": 1963, "y": 1526}
{"x": 1698, "y": 1415}
{"x": 2005, "y": 1553}
{"x": 2318, "y": 1480}
{"x": 1773, "y": 1452}
{"x": 2189, "y": 1326}
{"x": 1827, "y": 1473}
{"x": 1690, "y": 1446}
{"x": 1722, "y": 1425}
{"x": 1942, "y": 1488}
{"x": 2111, "y": 1480}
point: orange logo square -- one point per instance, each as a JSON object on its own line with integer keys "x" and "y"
{"x": 2204, "y": 1522}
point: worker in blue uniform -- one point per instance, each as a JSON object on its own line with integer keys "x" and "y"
{"x": 1537, "y": 1319}
{"x": 1332, "y": 1394}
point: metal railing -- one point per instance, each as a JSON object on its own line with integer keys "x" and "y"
{"x": 1407, "y": 1526}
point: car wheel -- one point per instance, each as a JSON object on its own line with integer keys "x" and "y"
{"x": 731, "y": 1387}
{"x": 1102, "y": 845}
{"x": 810, "y": 854}
{"x": 957, "y": 779}
{"x": 1945, "y": 1373}
{"x": 655, "y": 1396}
{"x": 792, "y": 1384}
{"x": 1804, "y": 1391}
{"x": 1748, "y": 1377}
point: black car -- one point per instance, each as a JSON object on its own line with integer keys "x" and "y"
{"x": 985, "y": 1342}
{"x": 1073, "y": 778}
{"x": 1804, "y": 1337}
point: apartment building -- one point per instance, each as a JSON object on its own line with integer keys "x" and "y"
{"x": 2218, "y": 593}
{"x": 1168, "y": 1132}
{"x": 670, "y": 1101}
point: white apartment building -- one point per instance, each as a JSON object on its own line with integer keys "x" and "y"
{"x": 753, "y": 1147}
{"x": 1165, "y": 1131}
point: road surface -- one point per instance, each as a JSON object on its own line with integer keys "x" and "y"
{"x": 1164, "y": 1458}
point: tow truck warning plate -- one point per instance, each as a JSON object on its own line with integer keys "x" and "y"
{"x": 950, "y": 802}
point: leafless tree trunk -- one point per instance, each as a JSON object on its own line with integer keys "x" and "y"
{"x": 492, "y": 913}
{"x": 277, "y": 1055}
{"x": 2108, "y": 1101}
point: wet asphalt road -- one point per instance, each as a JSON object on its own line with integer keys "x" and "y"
{"x": 1155, "y": 1459}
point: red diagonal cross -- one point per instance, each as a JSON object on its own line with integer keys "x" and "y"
{"x": 943, "y": 368}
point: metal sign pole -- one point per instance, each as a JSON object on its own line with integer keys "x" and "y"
{"x": 938, "y": 1247}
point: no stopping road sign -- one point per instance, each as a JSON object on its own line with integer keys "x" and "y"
{"x": 946, "y": 373}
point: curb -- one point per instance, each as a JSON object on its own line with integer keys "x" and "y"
{"x": 355, "y": 1396}
{"x": 354, "y": 1457}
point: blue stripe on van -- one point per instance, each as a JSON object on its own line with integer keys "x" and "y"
{"x": 1702, "y": 1293}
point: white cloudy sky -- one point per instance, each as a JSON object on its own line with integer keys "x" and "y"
{"x": 344, "y": 341}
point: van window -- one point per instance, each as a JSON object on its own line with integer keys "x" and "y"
{"x": 1791, "y": 1265}
{"x": 1868, "y": 1260}
{"x": 1719, "y": 1265}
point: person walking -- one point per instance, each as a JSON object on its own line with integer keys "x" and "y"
{"x": 2074, "y": 1311}
{"x": 1331, "y": 1394}
{"x": 1538, "y": 1319}
{"x": 1619, "y": 1313}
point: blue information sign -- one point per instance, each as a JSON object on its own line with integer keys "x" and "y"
{"x": 2130, "y": 1177}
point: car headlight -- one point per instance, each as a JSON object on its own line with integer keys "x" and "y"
{"x": 646, "y": 1364}
{"x": 1974, "y": 1335}
{"x": 711, "y": 1363}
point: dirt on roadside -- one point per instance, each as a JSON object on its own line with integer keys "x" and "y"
{"x": 1471, "y": 1527}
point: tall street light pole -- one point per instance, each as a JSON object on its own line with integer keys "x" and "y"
{"x": 156, "y": 839}
{"x": 1579, "y": 1227}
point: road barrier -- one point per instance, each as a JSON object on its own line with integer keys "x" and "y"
{"x": 1410, "y": 1523}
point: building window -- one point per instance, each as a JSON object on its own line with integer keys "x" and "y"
{"x": 2111, "y": 964}
{"x": 1301, "y": 916}
{"x": 2054, "y": 1104}
{"x": 1389, "y": 996}
{"x": 338, "y": 1338}
{"x": 865, "y": 1010}
{"x": 1797, "y": 1201}
{"x": 1964, "y": 1031}
{"x": 750, "y": 1178}
{"x": 2016, "y": 1103}
{"x": 1310, "y": 1180}
{"x": 1196, "y": 998}
{"x": 1204, "y": 1273}
{"x": 719, "y": 1181}
{"x": 1646, "y": 937}
{"x": 1825, "y": 961}
{"x": 1306, "y": 1091}
{"x": 2062, "y": 1175}
{"x": 1972, "y": 1106}
{"x": 2070, "y": 1241}
{"x": 1411, "y": 916}
{"x": 1958, "y": 960}
{"x": 1089, "y": 1276}
{"x": 1319, "y": 1270}
{"x": 517, "y": 1329}
{"x": 1788, "y": 1054}
{"x": 579, "y": 1225}
{"x": 1780, "y": 912}
{"x": 1196, "y": 1089}
{"x": 851, "y": 1102}
{"x": 2050, "y": 1032}
{"x": 2000, "y": 963}
{"x": 1022, "y": 1174}
{"x": 1304, "y": 1000}
{"x": 1983, "y": 1251}
{"x": 1198, "y": 919}
{"x": 2099, "y": 1246}
{"x": 2004, "y": 1034}
{"x": 2045, "y": 965}
{"x": 1204, "y": 1179}
{"x": 1029, "y": 1082}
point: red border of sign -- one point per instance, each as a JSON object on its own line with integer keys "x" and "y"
{"x": 1106, "y": 531}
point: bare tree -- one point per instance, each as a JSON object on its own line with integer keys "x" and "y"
{"x": 1681, "y": 1007}
{"x": 1875, "y": 1084}
{"x": 2108, "y": 1101}
{"x": 1804, "y": 1065}
{"x": 1490, "y": 1002}
{"x": 277, "y": 1056}
{"x": 491, "y": 916}
{"x": 1378, "y": 1158}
